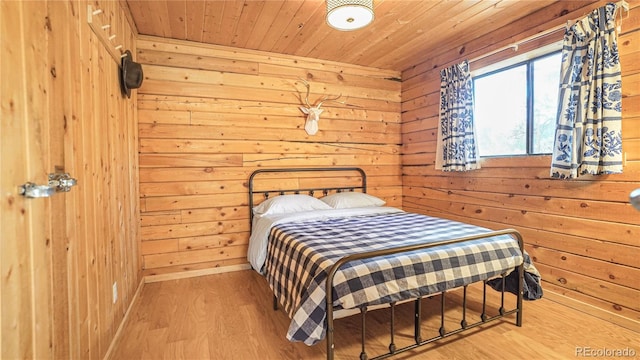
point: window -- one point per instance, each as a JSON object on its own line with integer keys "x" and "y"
{"x": 515, "y": 107}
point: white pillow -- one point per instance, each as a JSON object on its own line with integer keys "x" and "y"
{"x": 345, "y": 200}
{"x": 284, "y": 204}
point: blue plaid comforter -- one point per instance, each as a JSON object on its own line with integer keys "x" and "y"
{"x": 301, "y": 253}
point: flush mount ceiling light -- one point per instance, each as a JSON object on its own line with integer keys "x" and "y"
{"x": 347, "y": 15}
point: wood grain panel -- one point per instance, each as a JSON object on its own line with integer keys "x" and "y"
{"x": 153, "y": 261}
{"x": 582, "y": 234}
{"x": 270, "y": 11}
{"x": 193, "y": 229}
{"x": 186, "y": 61}
{"x": 17, "y": 319}
{"x": 198, "y": 146}
{"x": 62, "y": 73}
{"x": 595, "y": 249}
{"x": 209, "y": 105}
{"x": 210, "y": 115}
{"x": 616, "y": 232}
{"x": 296, "y": 62}
{"x": 582, "y": 209}
{"x": 627, "y": 276}
{"x": 604, "y": 290}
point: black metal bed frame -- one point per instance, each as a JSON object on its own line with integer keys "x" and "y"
{"x": 311, "y": 191}
{"x": 442, "y": 332}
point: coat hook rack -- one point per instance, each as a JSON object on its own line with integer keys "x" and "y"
{"x": 100, "y": 29}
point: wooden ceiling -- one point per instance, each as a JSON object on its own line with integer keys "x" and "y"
{"x": 403, "y": 33}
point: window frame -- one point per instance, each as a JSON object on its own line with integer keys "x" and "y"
{"x": 530, "y": 101}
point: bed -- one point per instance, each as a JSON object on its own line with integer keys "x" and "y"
{"x": 333, "y": 250}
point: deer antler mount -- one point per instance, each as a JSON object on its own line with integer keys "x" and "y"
{"x": 313, "y": 111}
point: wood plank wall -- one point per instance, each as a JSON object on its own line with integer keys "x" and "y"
{"x": 75, "y": 86}
{"x": 103, "y": 213}
{"x": 583, "y": 234}
{"x": 210, "y": 115}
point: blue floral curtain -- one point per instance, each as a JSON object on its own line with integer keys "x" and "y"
{"x": 588, "y": 137}
{"x": 456, "y": 146}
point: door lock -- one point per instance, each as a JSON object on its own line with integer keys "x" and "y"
{"x": 58, "y": 182}
{"x": 62, "y": 182}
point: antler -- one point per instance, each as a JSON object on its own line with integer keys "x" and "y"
{"x": 306, "y": 99}
{"x": 326, "y": 98}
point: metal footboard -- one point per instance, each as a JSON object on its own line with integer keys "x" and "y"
{"x": 417, "y": 309}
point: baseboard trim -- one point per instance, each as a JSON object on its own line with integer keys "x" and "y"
{"x": 194, "y": 273}
{"x": 125, "y": 319}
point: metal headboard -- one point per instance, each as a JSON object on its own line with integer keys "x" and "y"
{"x": 310, "y": 191}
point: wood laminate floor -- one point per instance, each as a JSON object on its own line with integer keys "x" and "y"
{"x": 230, "y": 316}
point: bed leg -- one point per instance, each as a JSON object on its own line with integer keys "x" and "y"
{"x": 329, "y": 337}
{"x": 392, "y": 345}
{"x": 363, "y": 313}
{"x": 275, "y": 303}
{"x": 416, "y": 321}
{"x": 504, "y": 280}
{"x": 463, "y": 323}
{"x": 520, "y": 293}
{"x": 483, "y": 316}
{"x": 442, "y": 299}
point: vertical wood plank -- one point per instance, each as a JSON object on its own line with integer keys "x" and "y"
{"x": 72, "y": 68}
{"x": 59, "y": 111}
{"x": 92, "y": 194}
{"x": 87, "y": 283}
{"x": 37, "y": 29}
{"x": 195, "y": 19}
{"x": 16, "y": 338}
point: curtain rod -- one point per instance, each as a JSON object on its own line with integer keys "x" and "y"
{"x": 621, "y": 4}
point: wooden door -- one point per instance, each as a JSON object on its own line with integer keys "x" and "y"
{"x": 31, "y": 229}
